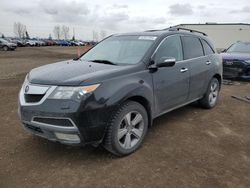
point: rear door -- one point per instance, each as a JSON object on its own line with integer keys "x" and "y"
{"x": 171, "y": 84}
{"x": 199, "y": 65}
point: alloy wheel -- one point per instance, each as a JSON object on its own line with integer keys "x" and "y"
{"x": 214, "y": 90}
{"x": 130, "y": 130}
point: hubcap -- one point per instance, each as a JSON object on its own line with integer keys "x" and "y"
{"x": 213, "y": 93}
{"x": 130, "y": 130}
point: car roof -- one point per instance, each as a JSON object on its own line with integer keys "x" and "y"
{"x": 166, "y": 32}
{"x": 170, "y": 31}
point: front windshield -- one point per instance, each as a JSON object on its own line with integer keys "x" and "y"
{"x": 120, "y": 49}
{"x": 240, "y": 47}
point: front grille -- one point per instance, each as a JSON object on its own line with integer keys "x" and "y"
{"x": 33, "y": 98}
{"x": 54, "y": 121}
{"x": 33, "y": 128}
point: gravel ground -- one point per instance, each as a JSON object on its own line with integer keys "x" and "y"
{"x": 189, "y": 147}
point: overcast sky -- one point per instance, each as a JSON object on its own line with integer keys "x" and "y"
{"x": 112, "y": 16}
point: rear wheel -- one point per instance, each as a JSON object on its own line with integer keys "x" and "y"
{"x": 211, "y": 97}
{"x": 127, "y": 129}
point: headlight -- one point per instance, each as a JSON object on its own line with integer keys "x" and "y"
{"x": 25, "y": 82}
{"x": 72, "y": 92}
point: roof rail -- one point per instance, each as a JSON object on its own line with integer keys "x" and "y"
{"x": 152, "y": 30}
{"x": 185, "y": 29}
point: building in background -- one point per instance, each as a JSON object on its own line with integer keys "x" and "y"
{"x": 223, "y": 34}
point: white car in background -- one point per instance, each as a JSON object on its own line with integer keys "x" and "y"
{"x": 30, "y": 43}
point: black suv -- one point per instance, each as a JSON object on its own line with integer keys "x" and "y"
{"x": 112, "y": 93}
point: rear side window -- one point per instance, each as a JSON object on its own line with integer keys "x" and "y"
{"x": 192, "y": 47}
{"x": 170, "y": 47}
{"x": 207, "y": 48}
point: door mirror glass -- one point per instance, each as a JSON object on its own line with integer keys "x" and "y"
{"x": 166, "y": 62}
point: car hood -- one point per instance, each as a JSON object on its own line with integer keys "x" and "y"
{"x": 72, "y": 73}
{"x": 236, "y": 56}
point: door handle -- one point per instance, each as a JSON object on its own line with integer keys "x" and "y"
{"x": 208, "y": 62}
{"x": 184, "y": 70}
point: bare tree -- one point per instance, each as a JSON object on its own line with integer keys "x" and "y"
{"x": 57, "y": 32}
{"x": 95, "y": 36}
{"x": 65, "y": 32}
{"x": 19, "y": 29}
{"x": 103, "y": 34}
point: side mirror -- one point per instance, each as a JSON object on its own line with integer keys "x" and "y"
{"x": 166, "y": 62}
{"x": 223, "y": 50}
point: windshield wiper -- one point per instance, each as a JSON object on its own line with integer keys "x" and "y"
{"x": 103, "y": 61}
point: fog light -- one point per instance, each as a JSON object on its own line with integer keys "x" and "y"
{"x": 68, "y": 137}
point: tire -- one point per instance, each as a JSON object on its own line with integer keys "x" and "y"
{"x": 211, "y": 97}
{"x": 126, "y": 129}
{"x": 5, "y": 48}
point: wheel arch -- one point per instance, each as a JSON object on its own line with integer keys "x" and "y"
{"x": 146, "y": 104}
{"x": 219, "y": 78}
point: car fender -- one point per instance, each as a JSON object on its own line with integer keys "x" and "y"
{"x": 133, "y": 85}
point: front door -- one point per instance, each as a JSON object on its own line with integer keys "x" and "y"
{"x": 171, "y": 84}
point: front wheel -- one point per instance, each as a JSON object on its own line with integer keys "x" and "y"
{"x": 127, "y": 129}
{"x": 211, "y": 97}
{"x": 5, "y": 48}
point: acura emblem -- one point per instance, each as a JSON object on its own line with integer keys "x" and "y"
{"x": 26, "y": 89}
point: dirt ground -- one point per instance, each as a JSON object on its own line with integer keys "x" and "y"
{"x": 189, "y": 147}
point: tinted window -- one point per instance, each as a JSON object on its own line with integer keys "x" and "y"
{"x": 192, "y": 47}
{"x": 207, "y": 49}
{"x": 170, "y": 47}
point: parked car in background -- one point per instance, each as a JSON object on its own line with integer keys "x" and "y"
{"x": 111, "y": 94}
{"x": 80, "y": 43}
{"x": 76, "y": 43}
{"x": 6, "y": 45}
{"x": 62, "y": 43}
{"x": 236, "y": 61}
{"x": 71, "y": 43}
{"x": 49, "y": 42}
{"x": 19, "y": 42}
{"x": 30, "y": 43}
{"x": 40, "y": 42}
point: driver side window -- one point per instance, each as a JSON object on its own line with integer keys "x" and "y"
{"x": 170, "y": 47}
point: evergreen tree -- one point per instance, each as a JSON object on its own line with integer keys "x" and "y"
{"x": 27, "y": 35}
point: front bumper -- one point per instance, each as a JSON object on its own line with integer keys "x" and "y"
{"x": 64, "y": 135}
{"x": 236, "y": 70}
{"x": 64, "y": 121}
{"x": 12, "y": 47}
